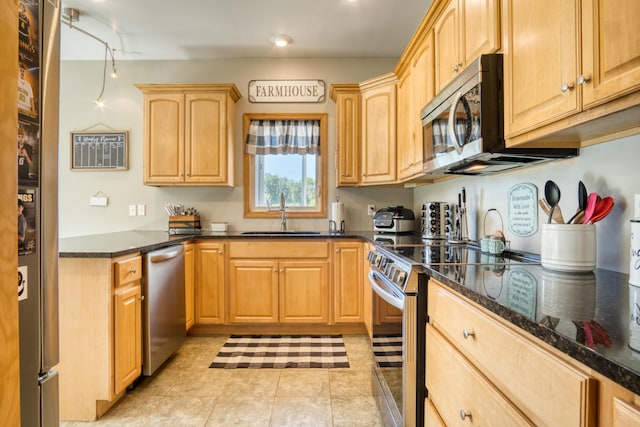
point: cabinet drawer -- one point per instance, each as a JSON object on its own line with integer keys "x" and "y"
{"x": 548, "y": 390}
{"x": 431, "y": 416}
{"x": 290, "y": 249}
{"x": 128, "y": 270}
{"x": 625, "y": 414}
{"x": 460, "y": 393}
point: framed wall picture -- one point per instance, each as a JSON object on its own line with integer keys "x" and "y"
{"x": 99, "y": 150}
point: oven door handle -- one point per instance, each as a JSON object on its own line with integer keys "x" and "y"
{"x": 382, "y": 290}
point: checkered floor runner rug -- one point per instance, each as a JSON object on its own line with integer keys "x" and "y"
{"x": 282, "y": 351}
{"x": 387, "y": 350}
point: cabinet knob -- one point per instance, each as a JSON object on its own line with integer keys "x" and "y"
{"x": 281, "y": 271}
{"x": 337, "y": 250}
{"x": 275, "y": 270}
{"x": 141, "y": 297}
{"x": 466, "y": 334}
{"x": 584, "y": 79}
{"x": 567, "y": 86}
{"x": 464, "y": 414}
{"x": 220, "y": 252}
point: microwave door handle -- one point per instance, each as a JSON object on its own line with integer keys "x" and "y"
{"x": 451, "y": 129}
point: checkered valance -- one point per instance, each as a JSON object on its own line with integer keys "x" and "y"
{"x": 283, "y": 137}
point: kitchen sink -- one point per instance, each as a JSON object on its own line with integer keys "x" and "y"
{"x": 277, "y": 233}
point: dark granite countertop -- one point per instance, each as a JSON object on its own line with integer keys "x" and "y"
{"x": 556, "y": 308}
{"x": 550, "y": 306}
{"x": 110, "y": 245}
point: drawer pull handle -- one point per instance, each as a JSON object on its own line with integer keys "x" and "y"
{"x": 464, "y": 415}
{"x": 468, "y": 334}
{"x": 132, "y": 271}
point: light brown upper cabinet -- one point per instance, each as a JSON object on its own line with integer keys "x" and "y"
{"x": 188, "y": 134}
{"x": 415, "y": 89}
{"x": 465, "y": 30}
{"x": 348, "y": 115}
{"x": 565, "y": 57}
{"x": 379, "y": 129}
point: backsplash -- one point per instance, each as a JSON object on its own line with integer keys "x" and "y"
{"x": 606, "y": 168}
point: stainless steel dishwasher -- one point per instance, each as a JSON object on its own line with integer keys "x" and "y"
{"x": 164, "y": 306}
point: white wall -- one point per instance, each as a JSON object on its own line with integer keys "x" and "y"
{"x": 610, "y": 169}
{"x": 80, "y": 85}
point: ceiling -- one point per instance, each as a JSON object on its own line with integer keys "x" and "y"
{"x": 212, "y": 29}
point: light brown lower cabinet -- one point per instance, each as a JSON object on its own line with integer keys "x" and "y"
{"x": 279, "y": 281}
{"x": 210, "y": 277}
{"x": 348, "y": 281}
{"x": 489, "y": 362}
{"x": 189, "y": 285}
{"x": 100, "y": 319}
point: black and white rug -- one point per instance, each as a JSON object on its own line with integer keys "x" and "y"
{"x": 282, "y": 351}
{"x": 387, "y": 350}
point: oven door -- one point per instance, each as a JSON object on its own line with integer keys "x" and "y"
{"x": 388, "y": 348}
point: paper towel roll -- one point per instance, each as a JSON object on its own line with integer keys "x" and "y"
{"x": 337, "y": 217}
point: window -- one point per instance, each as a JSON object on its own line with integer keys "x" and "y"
{"x": 285, "y": 153}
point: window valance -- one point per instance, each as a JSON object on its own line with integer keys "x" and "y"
{"x": 283, "y": 137}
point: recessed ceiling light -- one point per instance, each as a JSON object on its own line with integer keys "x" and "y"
{"x": 281, "y": 40}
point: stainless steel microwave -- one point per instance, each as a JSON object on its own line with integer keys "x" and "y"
{"x": 463, "y": 126}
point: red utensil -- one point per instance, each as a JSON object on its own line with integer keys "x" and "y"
{"x": 592, "y": 200}
{"x": 603, "y": 207}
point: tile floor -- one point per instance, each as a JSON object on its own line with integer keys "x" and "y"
{"x": 186, "y": 392}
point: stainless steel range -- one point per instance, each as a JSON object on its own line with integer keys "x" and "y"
{"x": 399, "y": 322}
{"x": 398, "y": 277}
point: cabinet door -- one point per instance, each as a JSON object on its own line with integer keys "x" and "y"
{"x": 348, "y": 282}
{"x": 348, "y": 143}
{"x": 479, "y": 28}
{"x": 625, "y": 414}
{"x": 420, "y": 91}
{"x": 610, "y": 49}
{"x": 447, "y": 53}
{"x": 127, "y": 336}
{"x": 209, "y": 287}
{"x": 379, "y": 133}
{"x": 205, "y": 137}
{"x": 164, "y": 138}
{"x": 404, "y": 151}
{"x": 304, "y": 291}
{"x": 540, "y": 62}
{"x": 253, "y": 291}
{"x": 189, "y": 284}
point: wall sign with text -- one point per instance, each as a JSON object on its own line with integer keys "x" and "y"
{"x": 286, "y": 91}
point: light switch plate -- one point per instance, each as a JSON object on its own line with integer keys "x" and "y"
{"x": 636, "y": 206}
{"x": 132, "y": 210}
{"x": 142, "y": 210}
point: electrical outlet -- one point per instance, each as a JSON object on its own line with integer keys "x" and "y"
{"x": 142, "y": 210}
{"x": 371, "y": 210}
{"x": 132, "y": 210}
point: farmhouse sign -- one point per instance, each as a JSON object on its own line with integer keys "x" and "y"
{"x": 286, "y": 91}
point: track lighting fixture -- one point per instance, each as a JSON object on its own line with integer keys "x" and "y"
{"x": 71, "y": 15}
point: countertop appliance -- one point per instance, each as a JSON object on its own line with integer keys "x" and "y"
{"x": 463, "y": 126}
{"x": 38, "y": 95}
{"x": 394, "y": 219}
{"x": 399, "y": 298}
{"x": 163, "y": 314}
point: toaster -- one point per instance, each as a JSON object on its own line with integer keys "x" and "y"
{"x": 394, "y": 219}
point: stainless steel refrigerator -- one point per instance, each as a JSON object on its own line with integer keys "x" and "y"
{"x": 38, "y": 96}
